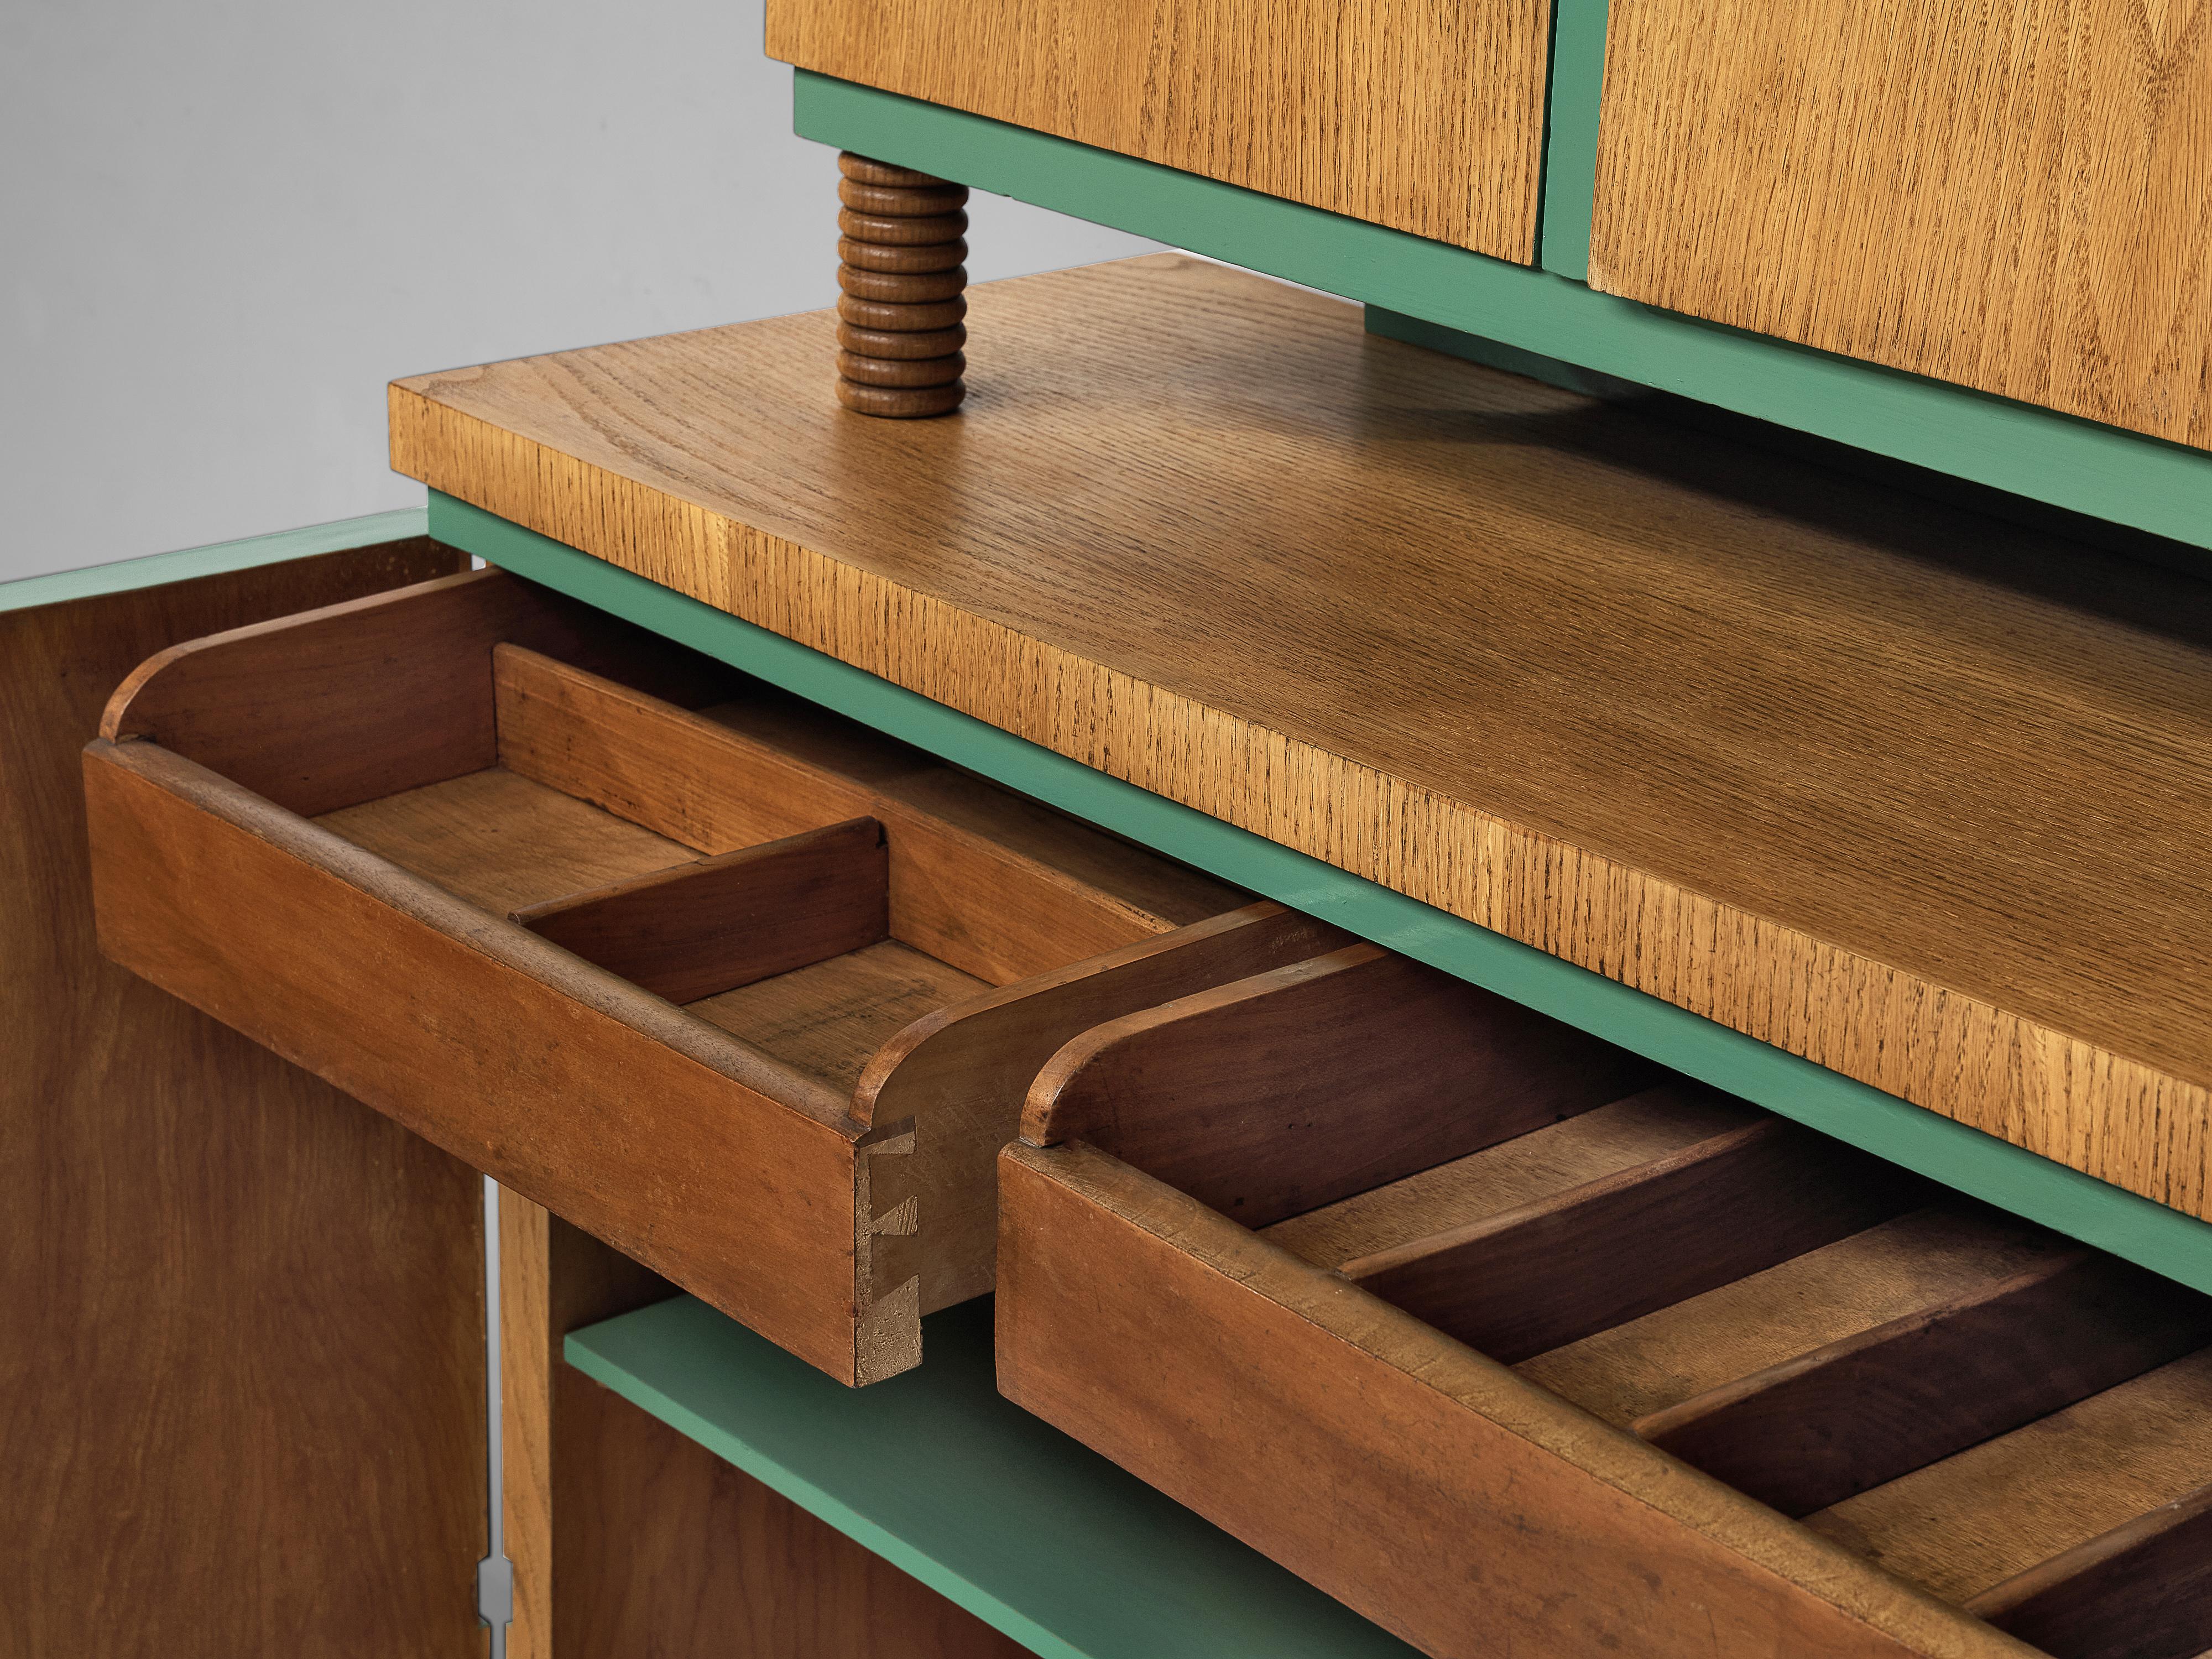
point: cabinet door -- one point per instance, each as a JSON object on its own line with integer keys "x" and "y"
{"x": 2015, "y": 197}
{"x": 241, "y": 1389}
{"x": 1425, "y": 117}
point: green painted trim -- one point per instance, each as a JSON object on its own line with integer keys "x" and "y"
{"x": 996, "y": 1510}
{"x": 128, "y": 575}
{"x": 2162, "y": 488}
{"x": 2080, "y": 1206}
{"x": 1571, "y": 94}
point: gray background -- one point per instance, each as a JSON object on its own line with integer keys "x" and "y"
{"x": 224, "y": 226}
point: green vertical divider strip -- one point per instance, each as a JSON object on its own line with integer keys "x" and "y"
{"x": 1570, "y": 110}
{"x": 997, "y": 1510}
{"x": 2065, "y": 1199}
{"x": 1411, "y": 283}
{"x": 127, "y": 575}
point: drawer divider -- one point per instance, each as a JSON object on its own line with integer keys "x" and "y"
{"x": 1817, "y": 1429}
{"x": 696, "y": 930}
{"x": 2143, "y": 1590}
{"x": 1558, "y": 1269}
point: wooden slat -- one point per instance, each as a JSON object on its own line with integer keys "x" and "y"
{"x": 1058, "y": 891}
{"x": 1553, "y": 1271}
{"x": 671, "y": 1142}
{"x": 1540, "y": 1164}
{"x": 1429, "y": 1488}
{"x": 2142, "y": 1591}
{"x": 1990, "y": 1513}
{"x": 1911, "y": 793}
{"x": 241, "y": 1385}
{"x": 1950, "y": 1249}
{"x": 1286, "y": 1090}
{"x": 1817, "y": 1429}
{"x": 696, "y": 930}
{"x": 2010, "y": 195}
{"x": 1429, "y": 119}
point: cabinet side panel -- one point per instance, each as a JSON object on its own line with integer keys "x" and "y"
{"x": 242, "y": 1395}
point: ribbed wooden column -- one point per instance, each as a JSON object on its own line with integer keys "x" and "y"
{"x": 899, "y": 327}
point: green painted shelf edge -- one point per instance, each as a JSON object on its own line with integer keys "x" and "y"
{"x": 128, "y": 576}
{"x": 995, "y": 1509}
{"x": 2080, "y": 1206}
{"x": 2058, "y": 460}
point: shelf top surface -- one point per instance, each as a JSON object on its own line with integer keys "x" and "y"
{"x": 1037, "y": 1535}
{"x": 1920, "y": 794}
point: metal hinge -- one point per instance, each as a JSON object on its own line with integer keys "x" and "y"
{"x": 495, "y": 1590}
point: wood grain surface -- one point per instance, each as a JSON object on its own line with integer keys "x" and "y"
{"x": 1994, "y": 1511}
{"x": 1426, "y": 1486}
{"x": 553, "y": 1278}
{"x": 2141, "y": 1591}
{"x": 699, "y": 928}
{"x": 2015, "y": 197}
{"x": 1831, "y": 1422}
{"x": 660, "y": 1115}
{"x": 1428, "y": 118}
{"x": 628, "y": 1539}
{"x": 1303, "y": 1084}
{"x": 737, "y": 773}
{"x": 1557, "y": 1268}
{"x": 242, "y": 1391}
{"x": 1915, "y": 794}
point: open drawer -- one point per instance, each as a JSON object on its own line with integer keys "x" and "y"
{"x": 1517, "y": 1350}
{"x": 748, "y": 991}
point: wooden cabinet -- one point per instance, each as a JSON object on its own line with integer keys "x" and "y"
{"x": 744, "y": 991}
{"x": 1426, "y": 117}
{"x": 1478, "y": 1326}
{"x": 2016, "y": 198}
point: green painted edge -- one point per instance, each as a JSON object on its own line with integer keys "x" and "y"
{"x": 1572, "y": 96}
{"x": 935, "y": 1471}
{"x": 2059, "y": 459}
{"x": 2149, "y": 1233}
{"x": 219, "y": 558}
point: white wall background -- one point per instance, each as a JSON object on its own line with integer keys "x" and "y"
{"x": 225, "y": 225}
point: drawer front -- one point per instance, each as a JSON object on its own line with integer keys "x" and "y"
{"x": 2015, "y": 198}
{"x": 1513, "y": 1346}
{"x": 742, "y": 989}
{"x": 1426, "y": 119}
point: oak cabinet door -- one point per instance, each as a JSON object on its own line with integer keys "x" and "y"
{"x": 2015, "y": 197}
{"x": 1425, "y": 116}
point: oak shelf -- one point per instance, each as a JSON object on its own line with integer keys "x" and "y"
{"x": 993, "y": 1508}
{"x": 1912, "y": 794}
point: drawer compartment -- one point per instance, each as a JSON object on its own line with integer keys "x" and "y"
{"x": 1517, "y": 1347}
{"x": 746, "y": 991}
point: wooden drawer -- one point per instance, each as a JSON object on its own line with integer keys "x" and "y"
{"x": 2011, "y": 197}
{"x": 1427, "y": 118}
{"x": 745, "y": 991}
{"x": 1517, "y": 1350}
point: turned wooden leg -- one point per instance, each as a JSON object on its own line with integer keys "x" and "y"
{"x": 899, "y": 327}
